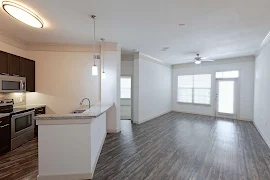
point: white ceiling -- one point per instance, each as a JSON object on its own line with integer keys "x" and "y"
{"x": 214, "y": 28}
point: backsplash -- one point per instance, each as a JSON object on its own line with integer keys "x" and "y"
{"x": 19, "y": 98}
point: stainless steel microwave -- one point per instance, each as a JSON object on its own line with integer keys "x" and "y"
{"x": 12, "y": 84}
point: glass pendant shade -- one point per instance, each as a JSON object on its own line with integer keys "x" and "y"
{"x": 94, "y": 70}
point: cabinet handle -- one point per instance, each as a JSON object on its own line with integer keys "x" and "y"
{"x": 5, "y": 74}
{"x": 4, "y": 126}
{"x": 1, "y": 122}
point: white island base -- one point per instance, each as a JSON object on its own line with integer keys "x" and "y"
{"x": 70, "y": 151}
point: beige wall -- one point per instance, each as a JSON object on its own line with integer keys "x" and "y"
{"x": 63, "y": 79}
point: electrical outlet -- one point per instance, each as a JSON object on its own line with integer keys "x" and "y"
{"x": 20, "y": 99}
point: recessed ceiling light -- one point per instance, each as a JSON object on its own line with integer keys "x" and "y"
{"x": 22, "y": 14}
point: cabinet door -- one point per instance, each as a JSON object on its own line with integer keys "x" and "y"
{"x": 28, "y": 71}
{"x": 4, "y": 63}
{"x": 4, "y": 134}
{"x": 14, "y": 65}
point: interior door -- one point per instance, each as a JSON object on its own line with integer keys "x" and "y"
{"x": 227, "y": 98}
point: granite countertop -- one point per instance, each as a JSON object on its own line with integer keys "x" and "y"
{"x": 4, "y": 114}
{"x": 93, "y": 112}
{"x": 31, "y": 106}
{"x": 23, "y": 108}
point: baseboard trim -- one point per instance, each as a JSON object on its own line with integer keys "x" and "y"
{"x": 240, "y": 119}
{"x": 65, "y": 176}
{"x": 262, "y": 134}
{"x": 143, "y": 121}
{"x": 113, "y": 130}
{"x": 99, "y": 151}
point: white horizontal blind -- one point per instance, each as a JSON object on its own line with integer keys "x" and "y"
{"x": 194, "y": 89}
{"x": 185, "y": 85}
{"x": 126, "y": 87}
{"x": 202, "y": 89}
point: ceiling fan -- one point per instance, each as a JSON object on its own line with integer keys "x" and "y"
{"x": 198, "y": 59}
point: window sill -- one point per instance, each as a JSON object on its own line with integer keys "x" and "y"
{"x": 196, "y": 104}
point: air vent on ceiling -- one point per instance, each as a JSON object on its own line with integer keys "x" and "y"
{"x": 165, "y": 49}
{"x": 266, "y": 40}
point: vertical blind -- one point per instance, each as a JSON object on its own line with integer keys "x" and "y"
{"x": 194, "y": 89}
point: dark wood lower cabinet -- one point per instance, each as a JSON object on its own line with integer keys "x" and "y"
{"x": 4, "y": 134}
{"x": 39, "y": 111}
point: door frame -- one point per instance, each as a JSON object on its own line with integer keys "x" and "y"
{"x": 236, "y": 99}
{"x": 131, "y": 97}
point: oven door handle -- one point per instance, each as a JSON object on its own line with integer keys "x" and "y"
{"x": 23, "y": 114}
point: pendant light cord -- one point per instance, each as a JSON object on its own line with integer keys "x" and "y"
{"x": 94, "y": 40}
{"x": 103, "y": 56}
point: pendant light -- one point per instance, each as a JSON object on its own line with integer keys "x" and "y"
{"x": 94, "y": 68}
{"x": 103, "y": 75}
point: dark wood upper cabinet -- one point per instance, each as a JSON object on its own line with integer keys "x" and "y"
{"x": 4, "y": 63}
{"x": 14, "y": 65}
{"x": 28, "y": 71}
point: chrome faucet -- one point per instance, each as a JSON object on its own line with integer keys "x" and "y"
{"x": 81, "y": 103}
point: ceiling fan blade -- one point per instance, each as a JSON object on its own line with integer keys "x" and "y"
{"x": 208, "y": 60}
{"x": 202, "y": 58}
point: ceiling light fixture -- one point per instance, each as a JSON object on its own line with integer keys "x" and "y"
{"x": 103, "y": 75}
{"x": 266, "y": 40}
{"x": 198, "y": 62}
{"x": 94, "y": 68}
{"x": 22, "y": 14}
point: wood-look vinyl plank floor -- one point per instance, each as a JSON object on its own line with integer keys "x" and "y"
{"x": 171, "y": 147}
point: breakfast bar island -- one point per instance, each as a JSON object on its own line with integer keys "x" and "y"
{"x": 69, "y": 144}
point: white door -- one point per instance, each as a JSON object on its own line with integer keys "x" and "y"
{"x": 226, "y": 98}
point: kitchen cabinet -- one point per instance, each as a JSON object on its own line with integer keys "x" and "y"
{"x": 4, "y": 134}
{"x": 28, "y": 71}
{"x": 14, "y": 65}
{"x": 4, "y": 63}
{"x": 39, "y": 111}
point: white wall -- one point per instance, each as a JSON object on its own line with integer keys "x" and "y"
{"x": 127, "y": 68}
{"x": 12, "y": 49}
{"x": 110, "y": 89}
{"x": 152, "y": 86}
{"x": 246, "y": 84}
{"x": 63, "y": 79}
{"x": 261, "y": 97}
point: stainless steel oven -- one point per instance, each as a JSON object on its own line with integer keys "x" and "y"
{"x": 12, "y": 83}
{"x": 22, "y": 128}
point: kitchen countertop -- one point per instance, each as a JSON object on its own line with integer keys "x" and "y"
{"x": 23, "y": 108}
{"x": 4, "y": 115}
{"x": 31, "y": 106}
{"x": 93, "y": 112}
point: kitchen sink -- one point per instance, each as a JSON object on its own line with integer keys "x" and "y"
{"x": 77, "y": 111}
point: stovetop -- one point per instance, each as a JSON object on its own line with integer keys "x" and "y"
{"x": 6, "y": 106}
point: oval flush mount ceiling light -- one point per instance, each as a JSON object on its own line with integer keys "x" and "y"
{"x": 22, "y": 14}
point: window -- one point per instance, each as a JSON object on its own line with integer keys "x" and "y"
{"x": 126, "y": 87}
{"x": 227, "y": 74}
{"x": 194, "y": 89}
